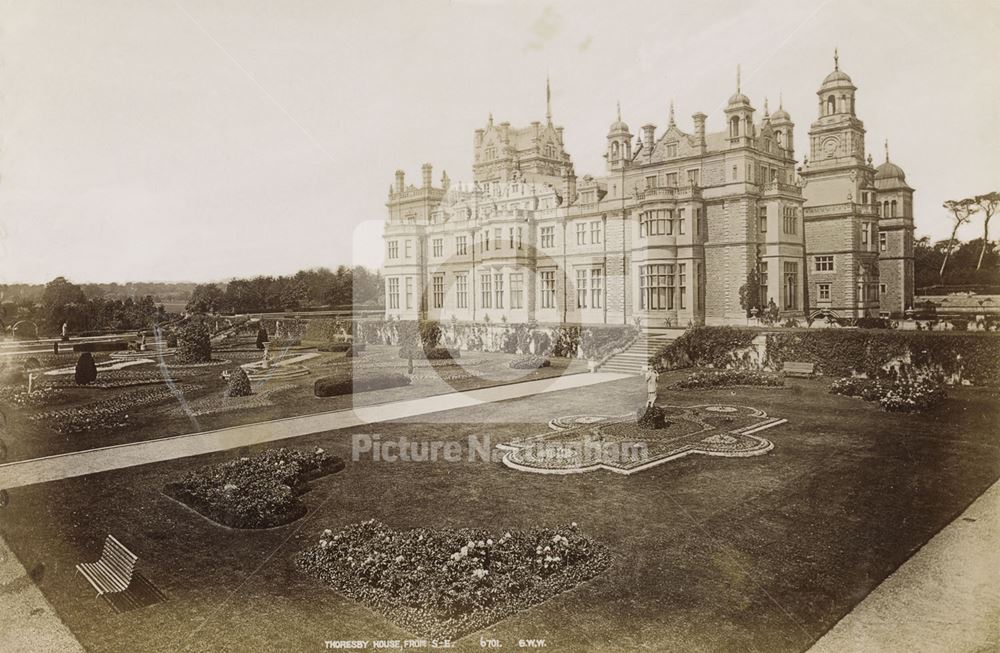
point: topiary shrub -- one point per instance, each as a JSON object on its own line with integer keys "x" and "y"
{"x": 347, "y": 383}
{"x": 239, "y": 384}
{"x": 430, "y": 334}
{"x": 194, "y": 344}
{"x": 86, "y": 369}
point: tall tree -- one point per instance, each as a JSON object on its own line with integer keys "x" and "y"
{"x": 961, "y": 213}
{"x": 988, "y": 203}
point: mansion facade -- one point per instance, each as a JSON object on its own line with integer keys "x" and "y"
{"x": 668, "y": 235}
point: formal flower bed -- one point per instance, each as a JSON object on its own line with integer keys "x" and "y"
{"x": 347, "y": 383}
{"x": 725, "y": 378}
{"x": 126, "y": 378}
{"x": 529, "y": 363}
{"x": 254, "y": 492}
{"x": 903, "y": 394}
{"x": 447, "y": 583}
{"x": 431, "y": 354}
{"x": 106, "y": 414}
{"x": 15, "y": 395}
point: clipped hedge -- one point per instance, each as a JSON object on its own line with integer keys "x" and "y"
{"x": 721, "y": 346}
{"x": 113, "y": 345}
{"x": 839, "y": 352}
{"x": 435, "y": 354}
{"x": 529, "y": 363}
{"x": 346, "y": 383}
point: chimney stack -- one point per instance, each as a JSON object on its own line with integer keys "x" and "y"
{"x": 699, "y": 128}
{"x": 426, "y": 170}
{"x": 400, "y": 176}
{"x": 648, "y": 130}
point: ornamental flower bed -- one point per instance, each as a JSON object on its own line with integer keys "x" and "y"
{"x": 905, "y": 394}
{"x": 254, "y": 492}
{"x": 106, "y": 414}
{"x": 529, "y": 363}
{"x": 728, "y": 378}
{"x": 447, "y": 583}
{"x": 18, "y": 396}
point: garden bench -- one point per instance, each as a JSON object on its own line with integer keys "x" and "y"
{"x": 113, "y": 571}
{"x": 798, "y": 369}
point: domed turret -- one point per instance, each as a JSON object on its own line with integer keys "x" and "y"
{"x": 836, "y": 93}
{"x": 619, "y": 143}
{"x": 739, "y": 114}
{"x": 618, "y": 126}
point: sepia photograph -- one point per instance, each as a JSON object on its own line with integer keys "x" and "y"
{"x": 465, "y": 325}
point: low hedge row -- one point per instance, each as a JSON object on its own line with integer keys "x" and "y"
{"x": 113, "y": 345}
{"x": 529, "y": 363}
{"x": 434, "y": 354}
{"x": 705, "y": 346}
{"x": 347, "y": 383}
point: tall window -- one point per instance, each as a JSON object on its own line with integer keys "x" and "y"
{"x": 438, "y": 290}
{"x": 734, "y": 128}
{"x": 497, "y": 237}
{"x": 438, "y": 247}
{"x": 790, "y": 220}
{"x": 595, "y": 232}
{"x": 393, "y": 292}
{"x": 393, "y": 249}
{"x": 680, "y": 221}
{"x": 519, "y": 238}
{"x": 548, "y": 278}
{"x": 831, "y": 105}
{"x": 461, "y": 247}
{"x": 581, "y": 233}
{"x": 693, "y": 177}
{"x": 791, "y": 284}
{"x": 581, "y": 288}
{"x": 409, "y": 292}
{"x": 596, "y": 288}
{"x": 864, "y": 233}
{"x": 883, "y": 241}
{"x": 699, "y": 280}
{"x": 892, "y": 208}
{"x": 671, "y": 179}
{"x": 681, "y": 283}
{"x": 517, "y": 290}
{"x": 486, "y": 240}
{"x": 486, "y": 290}
{"x": 511, "y": 233}
{"x": 655, "y": 223}
{"x": 650, "y": 182}
{"x": 762, "y": 217}
{"x": 498, "y": 289}
{"x": 697, "y": 221}
{"x": 409, "y": 246}
{"x": 824, "y": 263}
{"x": 656, "y": 284}
{"x": 548, "y": 237}
{"x": 462, "y": 290}
{"x": 762, "y": 273}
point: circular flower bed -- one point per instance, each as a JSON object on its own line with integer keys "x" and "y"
{"x": 725, "y": 378}
{"x": 447, "y": 583}
{"x": 254, "y": 492}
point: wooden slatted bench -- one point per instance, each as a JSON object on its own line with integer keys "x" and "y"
{"x": 113, "y": 571}
{"x": 804, "y": 370}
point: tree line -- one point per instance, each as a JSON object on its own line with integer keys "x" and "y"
{"x": 313, "y": 288}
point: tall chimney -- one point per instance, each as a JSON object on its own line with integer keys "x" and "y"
{"x": 699, "y": 128}
{"x": 400, "y": 176}
{"x": 426, "y": 171}
{"x": 648, "y": 130}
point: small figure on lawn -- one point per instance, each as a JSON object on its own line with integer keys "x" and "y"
{"x": 65, "y": 332}
{"x": 772, "y": 310}
{"x": 142, "y": 341}
{"x": 261, "y": 336}
{"x": 266, "y": 363}
{"x": 651, "y": 376}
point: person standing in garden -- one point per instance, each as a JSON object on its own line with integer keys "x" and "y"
{"x": 651, "y": 376}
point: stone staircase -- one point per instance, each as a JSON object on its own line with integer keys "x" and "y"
{"x": 632, "y": 360}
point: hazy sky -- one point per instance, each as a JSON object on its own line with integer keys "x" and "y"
{"x": 204, "y": 139}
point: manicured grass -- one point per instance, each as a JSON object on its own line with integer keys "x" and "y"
{"x": 709, "y": 554}
{"x": 183, "y": 412}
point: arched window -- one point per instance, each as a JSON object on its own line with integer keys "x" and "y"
{"x": 852, "y": 105}
{"x": 780, "y": 136}
{"x": 893, "y": 205}
{"x": 831, "y": 105}
{"x": 614, "y": 149}
{"x": 734, "y": 127}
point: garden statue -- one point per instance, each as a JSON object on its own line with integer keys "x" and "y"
{"x": 31, "y": 382}
{"x": 266, "y": 362}
{"x": 65, "y": 331}
{"x": 651, "y": 376}
{"x": 142, "y": 341}
{"x": 772, "y": 310}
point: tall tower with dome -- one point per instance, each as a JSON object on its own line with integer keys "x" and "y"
{"x": 894, "y": 199}
{"x": 841, "y": 214}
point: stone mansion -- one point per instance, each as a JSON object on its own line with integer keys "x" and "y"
{"x": 668, "y": 235}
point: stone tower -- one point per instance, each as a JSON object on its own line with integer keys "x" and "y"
{"x": 895, "y": 239}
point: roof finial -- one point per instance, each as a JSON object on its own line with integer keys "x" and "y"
{"x": 737, "y": 78}
{"x": 619, "y": 110}
{"x": 491, "y": 118}
{"x": 671, "y": 113}
{"x": 548, "y": 100}
{"x": 836, "y": 60}
{"x": 887, "y": 150}
{"x": 767, "y": 112}
{"x": 781, "y": 103}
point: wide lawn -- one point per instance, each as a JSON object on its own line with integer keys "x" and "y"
{"x": 709, "y": 554}
{"x": 198, "y": 403}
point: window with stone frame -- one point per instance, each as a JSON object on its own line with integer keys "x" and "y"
{"x": 437, "y": 288}
{"x": 548, "y": 286}
{"x": 680, "y": 221}
{"x": 791, "y": 270}
{"x": 823, "y": 292}
{"x": 823, "y": 263}
{"x": 681, "y": 284}
{"x": 498, "y": 289}
{"x": 581, "y": 288}
{"x": 486, "y": 290}
{"x": 548, "y": 237}
{"x": 409, "y": 292}
{"x": 393, "y": 292}
{"x": 462, "y": 290}
{"x": 883, "y": 241}
{"x": 595, "y": 232}
{"x": 517, "y": 290}
{"x": 656, "y": 287}
{"x": 393, "y": 249}
{"x": 581, "y": 233}
{"x": 461, "y": 247}
{"x": 438, "y": 247}
{"x": 596, "y": 288}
